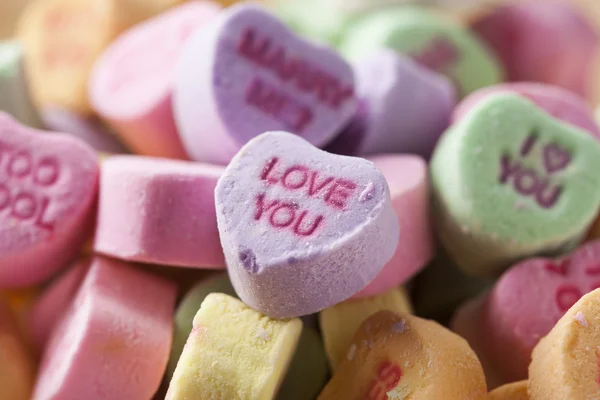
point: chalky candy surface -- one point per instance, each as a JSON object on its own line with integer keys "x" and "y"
{"x": 565, "y": 363}
{"x": 511, "y": 391}
{"x": 401, "y": 356}
{"x": 543, "y": 41}
{"x": 510, "y": 181}
{"x": 120, "y": 320}
{"x": 47, "y": 196}
{"x": 558, "y": 102}
{"x": 407, "y": 178}
{"x": 528, "y": 301}
{"x": 89, "y": 129}
{"x": 187, "y": 309}
{"x": 159, "y": 211}
{"x": 247, "y": 73}
{"x": 404, "y": 107}
{"x": 14, "y": 93}
{"x": 54, "y": 301}
{"x": 233, "y": 352}
{"x": 302, "y": 229}
{"x": 16, "y": 365}
{"x": 132, "y": 81}
{"x": 431, "y": 40}
{"x": 63, "y": 38}
{"x": 340, "y": 322}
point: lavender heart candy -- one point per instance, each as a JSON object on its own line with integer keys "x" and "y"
{"x": 302, "y": 229}
{"x": 247, "y": 73}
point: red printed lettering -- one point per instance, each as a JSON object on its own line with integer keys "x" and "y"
{"x": 39, "y": 221}
{"x": 46, "y": 172}
{"x": 253, "y": 49}
{"x": 302, "y": 229}
{"x": 339, "y": 193}
{"x": 315, "y": 187}
{"x": 283, "y": 215}
{"x": 19, "y": 165}
{"x": 267, "y": 170}
{"x": 388, "y": 377}
{"x": 295, "y": 177}
{"x": 560, "y": 269}
{"x": 566, "y": 296}
{"x": 260, "y": 206}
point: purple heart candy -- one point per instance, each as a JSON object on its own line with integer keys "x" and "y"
{"x": 247, "y": 73}
{"x": 302, "y": 229}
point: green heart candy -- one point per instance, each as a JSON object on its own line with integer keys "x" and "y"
{"x": 510, "y": 181}
{"x": 431, "y": 39}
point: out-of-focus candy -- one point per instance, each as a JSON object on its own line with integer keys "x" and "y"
{"x": 509, "y": 181}
{"x": 233, "y": 352}
{"x": 565, "y": 363}
{"x": 545, "y": 41}
{"x": 404, "y": 107}
{"x": 511, "y": 391}
{"x": 47, "y": 197}
{"x": 131, "y": 83}
{"x": 113, "y": 342}
{"x": 407, "y": 178}
{"x": 159, "y": 211}
{"x": 340, "y": 322}
{"x": 14, "y": 93}
{"x": 246, "y": 74}
{"x": 63, "y": 38}
{"x": 432, "y": 40}
{"x": 401, "y": 356}
{"x": 302, "y": 229}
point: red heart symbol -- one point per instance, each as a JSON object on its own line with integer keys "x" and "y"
{"x": 555, "y": 158}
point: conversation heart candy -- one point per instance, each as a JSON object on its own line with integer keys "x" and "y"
{"x": 47, "y": 196}
{"x": 511, "y": 391}
{"x": 17, "y": 368}
{"x": 302, "y": 229}
{"x": 113, "y": 342}
{"x": 549, "y": 41}
{"x": 509, "y": 181}
{"x": 54, "y": 301}
{"x": 565, "y": 364}
{"x": 410, "y": 199}
{"x": 89, "y": 129}
{"x": 430, "y": 39}
{"x": 159, "y": 211}
{"x": 131, "y": 82}
{"x": 395, "y": 356}
{"x": 14, "y": 93}
{"x": 63, "y": 38}
{"x": 340, "y": 322}
{"x": 233, "y": 352}
{"x": 404, "y": 107}
{"x": 558, "y": 102}
{"x": 247, "y": 73}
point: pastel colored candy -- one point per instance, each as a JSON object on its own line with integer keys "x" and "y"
{"x": 511, "y": 391}
{"x": 14, "y": 93}
{"x": 132, "y": 81}
{"x": 564, "y": 364}
{"x": 54, "y": 301}
{"x": 362, "y": 6}
{"x": 233, "y": 352}
{"x": 410, "y": 199}
{"x": 247, "y": 73}
{"x": 340, "y": 322}
{"x": 113, "y": 342}
{"x": 558, "y": 102}
{"x": 509, "y": 182}
{"x": 528, "y": 300}
{"x": 404, "y": 107}
{"x": 403, "y": 357}
{"x": 548, "y": 41}
{"x": 17, "y": 369}
{"x": 432, "y": 40}
{"x": 63, "y": 38}
{"x": 47, "y": 197}
{"x": 159, "y": 211}
{"x": 302, "y": 229}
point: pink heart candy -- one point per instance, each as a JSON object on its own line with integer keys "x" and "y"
{"x": 247, "y": 73}
{"x": 302, "y": 229}
{"x": 48, "y": 186}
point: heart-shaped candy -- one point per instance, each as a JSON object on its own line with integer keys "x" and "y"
{"x": 247, "y": 73}
{"x": 499, "y": 197}
{"x": 566, "y": 363}
{"x": 47, "y": 195}
{"x": 302, "y": 229}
